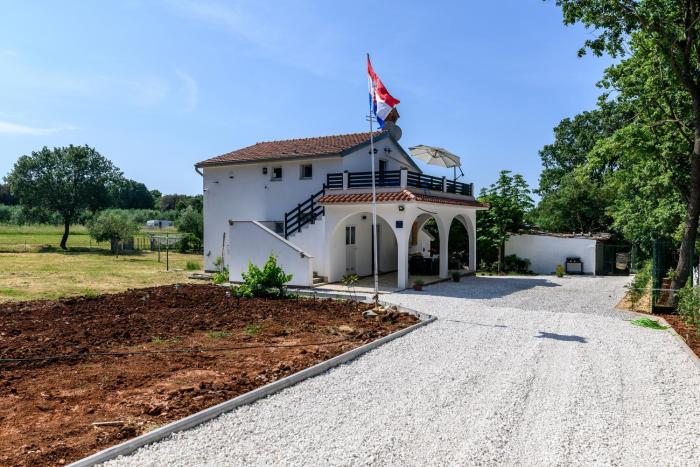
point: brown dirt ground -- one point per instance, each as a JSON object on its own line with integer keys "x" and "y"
{"x": 48, "y": 407}
{"x": 689, "y": 335}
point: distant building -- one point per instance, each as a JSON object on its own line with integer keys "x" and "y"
{"x": 158, "y": 224}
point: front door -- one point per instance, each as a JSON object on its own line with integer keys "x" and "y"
{"x": 350, "y": 250}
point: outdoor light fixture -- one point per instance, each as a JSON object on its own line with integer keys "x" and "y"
{"x": 401, "y": 207}
{"x": 264, "y": 170}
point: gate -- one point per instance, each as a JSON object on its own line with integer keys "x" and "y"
{"x": 616, "y": 259}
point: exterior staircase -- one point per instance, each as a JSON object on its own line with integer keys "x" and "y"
{"x": 319, "y": 280}
{"x": 305, "y": 213}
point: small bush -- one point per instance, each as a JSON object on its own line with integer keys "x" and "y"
{"x": 689, "y": 306}
{"x": 559, "y": 271}
{"x": 221, "y": 275}
{"x": 456, "y": 276}
{"x": 192, "y": 266}
{"x": 419, "y": 282}
{"x": 268, "y": 282}
{"x": 189, "y": 243}
{"x": 512, "y": 263}
{"x": 639, "y": 284}
{"x": 112, "y": 226}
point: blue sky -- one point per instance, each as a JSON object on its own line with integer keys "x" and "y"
{"x": 158, "y": 85}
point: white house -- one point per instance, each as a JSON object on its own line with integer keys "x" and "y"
{"x": 308, "y": 201}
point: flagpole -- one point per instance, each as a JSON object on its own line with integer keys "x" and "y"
{"x": 374, "y": 205}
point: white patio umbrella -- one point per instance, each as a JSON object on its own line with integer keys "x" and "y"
{"x": 440, "y": 157}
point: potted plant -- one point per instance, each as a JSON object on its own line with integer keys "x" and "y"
{"x": 418, "y": 284}
{"x": 456, "y": 276}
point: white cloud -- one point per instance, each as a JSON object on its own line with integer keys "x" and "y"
{"x": 17, "y": 129}
{"x": 191, "y": 90}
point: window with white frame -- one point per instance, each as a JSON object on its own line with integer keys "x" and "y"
{"x": 306, "y": 171}
{"x": 276, "y": 173}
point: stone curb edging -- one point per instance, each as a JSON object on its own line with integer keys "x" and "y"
{"x": 205, "y": 415}
{"x": 681, "y": 342}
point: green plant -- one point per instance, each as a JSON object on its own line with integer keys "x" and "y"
{"x": 559, "y": 270}
{"x": 192, "y": 265}
{"x": 252, "y": 329}
{"x": 639, "y": 284}
{"x": 113, "y": 226}
{"x": 349, "y": 281}
{"x": 90, "y": 293}
{"x": 689, "y": 306}
{"x": 188, "y": 243}
{"x": 648, "y": 323}
{"x": 220, "y": 277}
{"x": 217, "y": 334}
{"x": 456, "y": 276}
{"x": 267, "y": 282}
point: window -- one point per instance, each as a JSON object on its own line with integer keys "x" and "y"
{"x": 306, "y": 171}
{"x": 350, "y": 235}
{"x": 382, "y": 165}
{"x": 276, "y": 173}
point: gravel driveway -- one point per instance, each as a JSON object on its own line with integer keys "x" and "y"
{"x": 516, "y": 371}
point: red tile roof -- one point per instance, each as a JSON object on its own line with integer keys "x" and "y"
{"x": 389, "y": 196}
{"x": 304, "y": 147}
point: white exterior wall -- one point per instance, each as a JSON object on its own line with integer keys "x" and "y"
{"x": 242, "y": 192}
{"x": 545, "y": 252}
{"x": 252, "y": 242}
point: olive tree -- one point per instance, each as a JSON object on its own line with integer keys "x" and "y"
{"x": 65, "y": 181}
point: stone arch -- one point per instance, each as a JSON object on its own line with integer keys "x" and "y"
{"x": 469, "y": 225}
{"x": 420, "y": 219}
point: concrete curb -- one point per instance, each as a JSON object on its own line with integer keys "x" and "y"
{"x": 681, "y": 342}
{"x": 205, "y": 415}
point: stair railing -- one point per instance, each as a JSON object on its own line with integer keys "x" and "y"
{"x": 305, "y": 213}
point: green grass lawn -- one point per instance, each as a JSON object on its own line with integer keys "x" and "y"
{"x": 51, "y": 275}
{"x": 33, "y": 267}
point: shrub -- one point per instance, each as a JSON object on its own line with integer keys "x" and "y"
{"x": 191, "y": 221}
{"x": 112, "y": 226}
{"x": 559, "y": 271}
{"x": 266, "y": 282}
{"x": 689, "y": 305}
{"x": 220, "y": 277}
{"x": 419, "y": 282}
{"x": 512, "y": 263}
{"x": 192, "y": 266}
{"x": 188, "y": 243}
{"x": 640, "y": 283}
{"x": 456, "y": 276}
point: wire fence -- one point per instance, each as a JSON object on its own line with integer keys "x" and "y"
{"x": 48, "y": 243}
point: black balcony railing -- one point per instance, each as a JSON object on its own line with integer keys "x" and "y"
{"x": 392, "y": 178}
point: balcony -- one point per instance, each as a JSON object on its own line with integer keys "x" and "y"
{"x": 397, "y": 178}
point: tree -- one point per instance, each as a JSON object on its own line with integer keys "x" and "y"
{"x": 510, "y": 202}
{"x": 191, "y": 221}
{"x": 667, "y": 33}
{"x": 578, "y": 204}
{"x": 130, "y": 194}
{"x": 113, "y": 226}
{"x": 63, "y": 180}
{"x": 6, "y": 196}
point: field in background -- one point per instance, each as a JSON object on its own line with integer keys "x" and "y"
{"x": 22, "y": 238}
{"x": 51, "y": 275}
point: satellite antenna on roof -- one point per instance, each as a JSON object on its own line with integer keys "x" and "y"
{"x": 393, "y": 129}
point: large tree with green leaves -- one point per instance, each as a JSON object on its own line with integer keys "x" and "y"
{"x": 64, "y": 180}
{"x": 667, "y": 33}
{"x": 510, "y": 203}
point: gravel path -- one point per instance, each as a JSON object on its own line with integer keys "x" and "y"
{"x": 516, "y": 371}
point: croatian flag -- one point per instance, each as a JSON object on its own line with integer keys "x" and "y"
{"x": 383, "y": 104}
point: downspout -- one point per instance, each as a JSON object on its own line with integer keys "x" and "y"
{"x": 199, "y": 171}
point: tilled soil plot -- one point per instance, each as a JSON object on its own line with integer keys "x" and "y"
{"x": 93, "y": 372}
